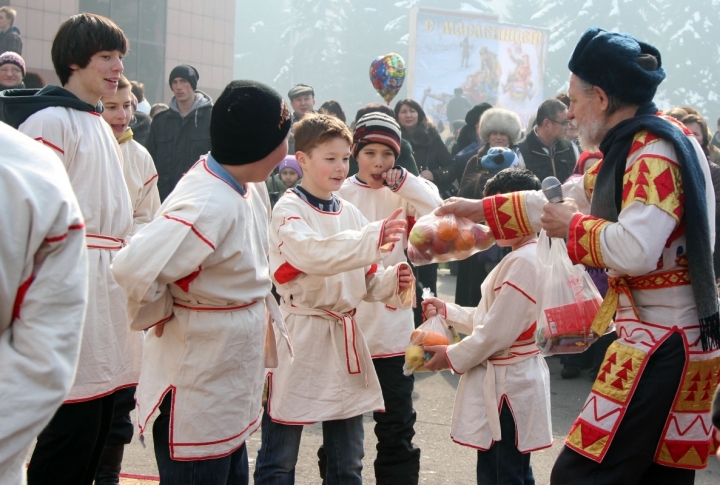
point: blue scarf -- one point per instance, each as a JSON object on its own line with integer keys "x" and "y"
{"x": 607, "y": 203}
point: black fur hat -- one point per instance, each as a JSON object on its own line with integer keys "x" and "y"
{"x": 619, "y": 64}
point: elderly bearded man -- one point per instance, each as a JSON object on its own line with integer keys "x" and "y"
{"x": 646, "y": 214}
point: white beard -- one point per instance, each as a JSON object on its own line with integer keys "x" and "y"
{"x": 591, "y": 134}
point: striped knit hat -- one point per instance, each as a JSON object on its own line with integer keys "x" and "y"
{"x": 376, "y": 128}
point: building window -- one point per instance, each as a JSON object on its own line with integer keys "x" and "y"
{"x": 144, "y": 24}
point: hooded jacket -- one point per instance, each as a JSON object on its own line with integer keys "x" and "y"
{"x": 17, "y": 105}
{"x": 176, "y": 142}
{"x": 10, "y": 40}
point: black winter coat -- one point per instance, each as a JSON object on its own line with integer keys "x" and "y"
{"x": 431, "y": 154}
{"x": 176, "y": 143}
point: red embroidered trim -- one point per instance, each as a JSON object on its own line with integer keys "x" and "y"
{"x": 150, "y": 180}
{"x": 47, "y": 143}
{"x": 20, "y": 296}
{"x": 372, "y": 270}
{"x": 191, "y": 226}
{"x": 517, "y": 288}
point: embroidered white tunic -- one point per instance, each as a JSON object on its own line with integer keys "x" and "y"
{"x": 43, "y": 285}
{"x": 201, "y": 267}
{"x": 87, "y": 147}
{"x": 387, "y": 329}
{"x": 324, "y": 264}
{"x": 141, "y": 179}
{"x": 500, "y": 361}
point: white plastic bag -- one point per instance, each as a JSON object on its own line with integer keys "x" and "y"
{"x": 567, "y": 301}
{"x": 433, "y": 331}
{"x": 439, "y": 239}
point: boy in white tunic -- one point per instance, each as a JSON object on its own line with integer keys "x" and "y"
{"x": 377, "y": 190}
{"x": 502, "y": 406}
{"x": 43, "y": 294}
{"x": 87, "y": 53}
{"x": 198, "y": 273}
{"x": 141, "y": 179}
{"x": 325, "y": 260}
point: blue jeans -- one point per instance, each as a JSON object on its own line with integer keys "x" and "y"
{"x": 228, "y": 470}
{"x": 503, "y": 464}
{"x": 278, "y": 453}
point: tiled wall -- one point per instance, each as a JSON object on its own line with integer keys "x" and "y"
{"x": 202, "y": 34}
{"x": 198, "y": 33}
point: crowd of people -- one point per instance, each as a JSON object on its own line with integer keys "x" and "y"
{"x": 239, "y": 264}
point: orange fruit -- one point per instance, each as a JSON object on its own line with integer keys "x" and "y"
{"x": 447, "y": 229}
{"x": 417, "y": 336}
{"x": 465, "y": 240}
{"x": 434, "y": 338}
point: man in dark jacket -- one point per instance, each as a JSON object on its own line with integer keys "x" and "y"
{"x": 180, "y": 135}
{"x": 545, "y": 152}
{"x": 10, "y": 39}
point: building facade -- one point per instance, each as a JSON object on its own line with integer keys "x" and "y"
{"x": 162, "y": 34}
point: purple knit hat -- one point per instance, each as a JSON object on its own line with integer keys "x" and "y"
{"x": 13, "y": 58}
{"x": 290, "y": 162}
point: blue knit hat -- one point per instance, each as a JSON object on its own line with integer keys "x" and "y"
{"x": 619, "y": 64}
{"x": 499, "y": 158}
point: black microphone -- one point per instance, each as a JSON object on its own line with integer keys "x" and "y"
{"x": 552, "y": 188}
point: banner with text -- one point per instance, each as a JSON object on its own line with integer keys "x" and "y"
{"x": 498, "y": 63}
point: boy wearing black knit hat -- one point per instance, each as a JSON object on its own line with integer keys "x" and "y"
{"x": 179, "y": 135}
{"x": 199, "y": 274}
{"x": 377, "y": 190}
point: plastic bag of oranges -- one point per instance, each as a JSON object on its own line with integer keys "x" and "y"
{"x": 433, "y": 331}
{"x": 438, "y": 239}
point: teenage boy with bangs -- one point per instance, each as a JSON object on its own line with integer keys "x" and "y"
{"x": 325, "y": 258}
{"x": 87, "y": 54}
{"x": 377, "y": 190}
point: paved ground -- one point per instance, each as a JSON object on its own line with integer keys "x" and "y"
{"x": 442, "y": 462}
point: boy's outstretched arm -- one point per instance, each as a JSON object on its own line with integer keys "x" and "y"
{"x": 308, "y": 252}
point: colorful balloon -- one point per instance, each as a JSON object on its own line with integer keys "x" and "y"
{"x": 387, "y": 74}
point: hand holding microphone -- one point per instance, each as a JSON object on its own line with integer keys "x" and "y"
{"x": 558, "y": 211}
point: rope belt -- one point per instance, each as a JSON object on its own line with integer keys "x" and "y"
{"x": 624, "y": 285}
{"x": 96, "y": 241}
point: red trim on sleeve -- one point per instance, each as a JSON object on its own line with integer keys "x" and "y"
{"x": 191, "y": 226}
{"x": 286, "y": 273}
{"x": 20, "y": 296}
{"x": 517, "y": 288}
{"x": 75, "y": 227}
{"x": 490, "y": 220}
{"x": 447, "y": 357}
{"x": 184, "y": 283}
{"x": 47, "y": 143}
{"x": 56, "y": 238}
{"x": 150, "y": 180}
{"x": 372, "y": 270}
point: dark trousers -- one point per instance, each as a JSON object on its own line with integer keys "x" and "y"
{"x": 629, "y": 460}
{"x": 121, "y": 433}
{"x": 68, "y": 450}
{"x": 398, "y": 460}
{"x": 503, "y": 464}
{"x": 228, "y": 470}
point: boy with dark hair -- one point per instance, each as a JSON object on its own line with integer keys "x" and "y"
{"x": 377, "y": 190}
{"x": 500, "y": 353}
{"x": 325, "y": 259}
{"x": 87, "y": 54}
{"x": 198, "y": 273}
